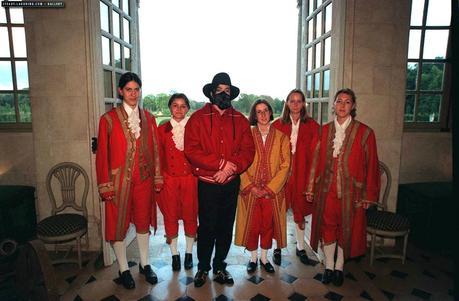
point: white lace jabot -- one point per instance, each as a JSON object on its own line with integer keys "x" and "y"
{"x": 294, "y": 134}
{"x": 178, "y": 132}
{"x": 133, "y": 119}
{"x": 340, "y": 134}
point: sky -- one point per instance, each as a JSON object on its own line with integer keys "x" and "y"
{"x": 184, "y": 43}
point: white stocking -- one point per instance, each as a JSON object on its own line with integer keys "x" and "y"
{"x": 189, "y": 244}
{"x": 254, "y": 256}
{"x": 339, "y": 265}
{"x": 143, "y": 240}
{"x": 120, "y": 252}
{"x": 299, "y": 238}
{"x": 329, "y": 251}
{"x": 264, "y": 256}
{"x": 173, "y": 246}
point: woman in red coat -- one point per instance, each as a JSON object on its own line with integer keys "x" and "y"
{"x": 127, "y": 166}
{"x": 179, "y": 198}
{"x": 346, "y": 182}
{"x": 303, "y": 132}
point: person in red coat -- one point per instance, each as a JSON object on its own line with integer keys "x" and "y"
{"x": 128, "y": 169}
{"x": 219, "y": 146}
{"x": 303, "y": 132}
{"x": 345, "y": 181}
{"x": 178, "y": 198}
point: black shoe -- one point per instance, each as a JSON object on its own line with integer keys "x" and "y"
{"x": 150, "y": 276}
{"x": 188, "y": 263}
{"x": 126, "y": 279}
{"x": 200, "y": 278}
{"x": 303, "y": 257}
{"x": 251, "y": 267}
{"x": 223, "y": 277}
{"x": 277, "y": 256}
{"x": 176, "y": 265}
{"x": 327, "y": 277}
{"x": 267, "y": 266}
{"x": 338, "y": 278}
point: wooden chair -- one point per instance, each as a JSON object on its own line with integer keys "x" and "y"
{"x": 61, "y": 226}
{"x": 385, "y": 224}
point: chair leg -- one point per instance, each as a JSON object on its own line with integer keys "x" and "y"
{"x": 405, "y": 244}
{"x": 79, "y": 251}
{"x": 372, "y": 248}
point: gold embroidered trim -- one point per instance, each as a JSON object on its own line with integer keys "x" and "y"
{"x": 108, "y": 118}
{"x": 347, "y": 203}
{"x": 124, "y": 187}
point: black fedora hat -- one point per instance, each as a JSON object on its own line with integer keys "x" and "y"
{"x": 221, "y": 78}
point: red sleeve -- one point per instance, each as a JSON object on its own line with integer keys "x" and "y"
{"x": 162, "y": 145}
{"x": 312, "y": 153}
{"x": 194, "y": 151}
{"x": 373, "y": 180}
{"x": 102, "y": 156}
{"x": 158, "y": 175}
{"x": 246, "y": 151}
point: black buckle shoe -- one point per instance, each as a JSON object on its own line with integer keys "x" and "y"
{"x": 188, "y": 263}
{"x": 338, "y": 278}
{"x": 251, "y": 267}
{"x": 150, "y": 276}
{"x": 200, "y": 278}
{"x": 327, "y": 276}
{"x": 176, "y": 265}
{"x": 267, "y": 266}
{"x": 223, "y": 277}
{"x": 303, "y": 257}
{"x": 277, "y": 256}
{"x": 126, "y": 279}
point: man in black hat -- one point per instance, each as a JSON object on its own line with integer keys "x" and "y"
{"x": 219, "y": 146}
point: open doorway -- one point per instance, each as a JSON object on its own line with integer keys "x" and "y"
{"x": 183, "y": 44}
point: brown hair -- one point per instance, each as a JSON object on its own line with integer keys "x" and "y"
{"x": 350, "y": 93}
{"x": 253, "y": 113}
{"x": 177, "y": 96}
{"x": 285, "y": 117}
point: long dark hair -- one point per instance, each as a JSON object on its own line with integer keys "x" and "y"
{"x": 285, "y": 117}
{"x": 253, "y": 113}
{"x": 351, "y": 94}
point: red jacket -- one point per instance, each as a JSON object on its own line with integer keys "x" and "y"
{"x": 211, "y": 140}
{"x": 173, "y": 161}
{"x": 115, "y": 156}
{"x": 359, "y": 181}
{"x": 308, "y": 135}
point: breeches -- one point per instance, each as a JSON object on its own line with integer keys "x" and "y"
{"x": 137, "y": 209}
{"x": 179, "y": 200}
{"x": 332, "y": 230}
{"x": 261, "y": 225}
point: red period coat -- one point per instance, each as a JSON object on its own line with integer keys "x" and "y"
{"x": 308, "y": 134}
{"x": 178, "y": 198}
{"x": 357, "y": 179}
{"x": 115, "y": 158}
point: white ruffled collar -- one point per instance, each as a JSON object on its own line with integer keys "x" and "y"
{"x": 340, "y": 134}
{"x": 178, "y": 132}
{"x": 133, "y": 119}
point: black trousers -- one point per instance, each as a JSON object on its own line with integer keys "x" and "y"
{"x": 217, "y": 210}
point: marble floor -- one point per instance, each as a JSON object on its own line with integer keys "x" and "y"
{"x": 424, "y": 276}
